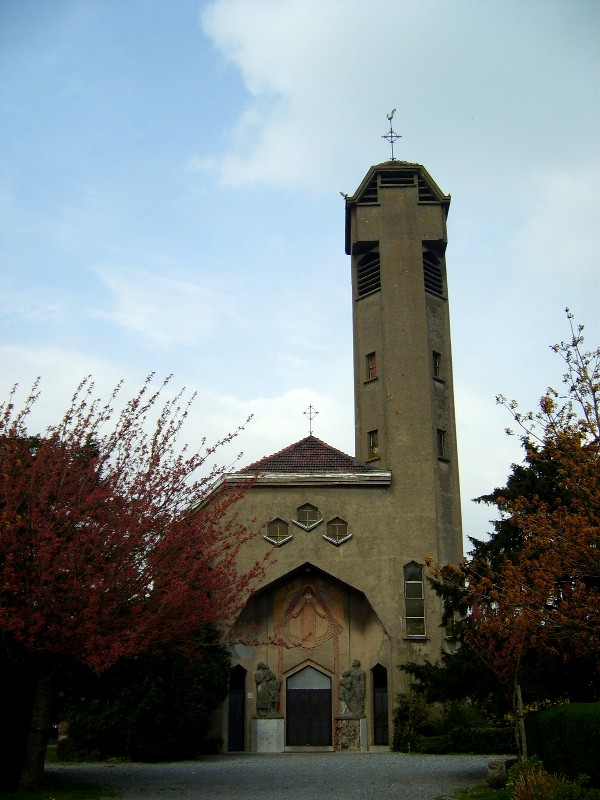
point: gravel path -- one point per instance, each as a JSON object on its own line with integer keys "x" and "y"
{"x": 287, "y": 776}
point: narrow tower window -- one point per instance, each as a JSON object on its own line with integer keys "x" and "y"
{"x": 373, "y": 444}
{"x": 437, "y": 365}
{"x": 371, "y": 366}
{"x": 442, "y": 444}
{"x": 414, "y": 600}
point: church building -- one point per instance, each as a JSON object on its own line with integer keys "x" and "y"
{"x": 346, "y": 599}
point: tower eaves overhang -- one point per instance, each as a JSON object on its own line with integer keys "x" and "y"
{"x": 429, "y": 191}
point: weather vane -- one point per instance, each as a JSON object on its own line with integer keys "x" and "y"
{"x": 391, "y": 135}
{"x": 311, "y": 413}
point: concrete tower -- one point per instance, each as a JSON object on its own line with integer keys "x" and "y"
{"x": 396, "y": 235}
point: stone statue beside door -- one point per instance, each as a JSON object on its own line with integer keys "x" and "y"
{"x": 352, "y": 691}
{"x": 267, "y": 691}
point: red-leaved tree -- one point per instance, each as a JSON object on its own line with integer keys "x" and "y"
{"x": 107, "y": 546}
{"x": 543, "y": 595}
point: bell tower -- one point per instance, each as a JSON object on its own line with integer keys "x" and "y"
{"x": 404, "y": 401}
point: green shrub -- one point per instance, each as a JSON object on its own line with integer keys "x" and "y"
{"x": 478, "y": 741}
{"x": 566, "y": 739}
{"x": 462, "y": 714}
{"x": 530, "y": 781}
{"x": 565, "y": 790}
{"x": 481, "y": 741}
{"x": 433, "y": 745}
{"x": 412, "y": 716}
{"x": 452, "y": 727}
{"x": 153, "y": 708}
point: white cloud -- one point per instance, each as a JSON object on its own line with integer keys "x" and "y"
{"x": 36, "y": 305}
{"x": 197, "y": 164}
{"x": 277, "y": 422}
{"x": 297, "y": 72}
{"x": 320, "y": 78}
{"x": 162, "y": 311}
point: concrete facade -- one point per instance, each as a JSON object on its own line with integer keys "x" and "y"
{"x": 350, "y": 535}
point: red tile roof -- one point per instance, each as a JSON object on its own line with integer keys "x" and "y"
{"x": 309, "y": 455}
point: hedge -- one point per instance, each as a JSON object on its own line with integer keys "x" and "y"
{"x": 482, "y": 741}
{"x": 478, "y": 741}
{"x": 566, "y": 739}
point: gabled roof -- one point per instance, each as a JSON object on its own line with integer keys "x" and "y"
{"x": 308, "y": 455}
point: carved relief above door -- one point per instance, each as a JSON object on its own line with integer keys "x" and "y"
{"x": 308, "y": 612}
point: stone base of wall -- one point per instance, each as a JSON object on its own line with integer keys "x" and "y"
{"x": 350, "y": 734}
{"x": 267, "y": 735}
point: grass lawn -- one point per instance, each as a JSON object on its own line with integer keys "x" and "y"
{"x": 54, "y": 788}
{"x": 478, "y": 793}
{"x": 58, "y": 788}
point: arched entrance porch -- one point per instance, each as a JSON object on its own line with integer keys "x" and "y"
{"x": 309, "y": 628}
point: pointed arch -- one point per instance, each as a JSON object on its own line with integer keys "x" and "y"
{"x": 379, "y": 682}
{"x": 237, "y": 708}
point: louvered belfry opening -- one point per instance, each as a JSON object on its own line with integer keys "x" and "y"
{"x": 369, "y": 193}
{"x": 426, "y": 193}
{"x": 398, "y": 178}
{"x": 432, "y": 272}
{"x": 368, "y": 272}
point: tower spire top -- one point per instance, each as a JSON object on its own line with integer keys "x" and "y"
{"x": 391, "y": 135}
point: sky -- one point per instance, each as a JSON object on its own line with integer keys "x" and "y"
{"x": 170, "y": 178}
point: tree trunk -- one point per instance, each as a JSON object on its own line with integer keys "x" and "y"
{"x": 39, "y": 731}
{"x": 520, "y": 724}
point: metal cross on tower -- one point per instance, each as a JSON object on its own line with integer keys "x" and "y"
{"x": 391, "y": 135}
{"x": 311, "y": 413}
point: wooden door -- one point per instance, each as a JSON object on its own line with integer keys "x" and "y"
{"x": 308, "y": 709}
